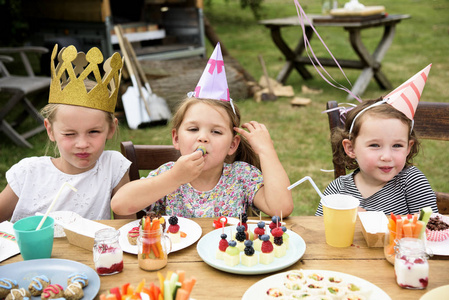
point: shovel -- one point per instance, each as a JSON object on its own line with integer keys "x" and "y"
{"x": 142, "y": 107}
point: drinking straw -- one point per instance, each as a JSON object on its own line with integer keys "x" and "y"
{"x": 313, "y": 184}
{"x": 53, "y": 203}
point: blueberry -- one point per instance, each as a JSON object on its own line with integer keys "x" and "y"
{"x": 241, "y": 228}
{"x": 232, "y": 243}
{"x": 284, "y": 229}
{"x": 248, "y": 243}
{"x": 265, "y": 237}
{"x": 223, "y": 235}
{"x": 261, "y": 224}
{"x": 275, "y": 219}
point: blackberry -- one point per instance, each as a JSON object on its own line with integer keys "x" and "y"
{"x": 249, "y": 251}
{"x": 240, "y": 236}
{"x": 173, "y": 220}
{"x": 244, "y": 218}
{"x": 278, "y": 240}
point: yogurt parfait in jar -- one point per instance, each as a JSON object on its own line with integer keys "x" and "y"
{"x": 411, "y": 266}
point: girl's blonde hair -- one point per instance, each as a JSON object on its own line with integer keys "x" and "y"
{"x": 50, "y": 111}
{"x": 244, "y": 152}
{"x": 385, "y": 111}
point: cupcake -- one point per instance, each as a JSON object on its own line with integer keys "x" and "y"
{"x": 437, "y": 229}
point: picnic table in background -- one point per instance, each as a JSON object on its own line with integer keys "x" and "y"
{"x": 369, "y": 63}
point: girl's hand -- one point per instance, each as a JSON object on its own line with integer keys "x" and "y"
{"x": 257, "y": 135}
{"x": 188, "y": 167}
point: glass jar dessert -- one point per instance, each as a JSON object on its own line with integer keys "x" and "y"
{"x": 411, "y": 266}
{"x": 108, "y": 255}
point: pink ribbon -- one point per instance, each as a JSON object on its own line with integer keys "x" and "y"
{"x": 215, "y": 63}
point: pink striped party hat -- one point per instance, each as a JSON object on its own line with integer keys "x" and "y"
{"x": 406, "y": 97}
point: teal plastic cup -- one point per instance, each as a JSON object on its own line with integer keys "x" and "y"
{"x": 34, "y": 244}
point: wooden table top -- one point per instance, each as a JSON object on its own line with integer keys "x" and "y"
{"x": 333, "y": 22}
{"x": 357, "y": 260}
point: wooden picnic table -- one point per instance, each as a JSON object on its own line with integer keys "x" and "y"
{"x": 369, "y": 63}
{"x": 357, "y": 260}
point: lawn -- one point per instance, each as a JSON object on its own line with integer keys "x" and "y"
{"x": 301, "y": 134}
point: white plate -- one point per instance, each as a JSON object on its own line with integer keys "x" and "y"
{"x": 208, "y": 246}
{"x": 258, "y": 290}
{"x": 57, "y": 270}
{"x": 439, "y": 293}
{"x": 191, "y": 228}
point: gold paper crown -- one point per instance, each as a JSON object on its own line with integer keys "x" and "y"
{"x": 67, "y": 79}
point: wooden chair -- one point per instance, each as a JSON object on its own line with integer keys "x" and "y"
{"x": 146, "y": 158}
{"x": 431, "y": 122}
{"x": 19, "y": 87}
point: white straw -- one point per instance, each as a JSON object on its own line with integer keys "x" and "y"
{"x": 53, "y": 203}
{"x": 311, "y": 181}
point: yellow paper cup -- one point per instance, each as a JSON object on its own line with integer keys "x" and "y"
{"x": 340, "y": 214}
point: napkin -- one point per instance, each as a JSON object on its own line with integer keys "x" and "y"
{"x": 374, "y": 227}
{"x": 8, "y": 244}
{"x": 374, "y": 221}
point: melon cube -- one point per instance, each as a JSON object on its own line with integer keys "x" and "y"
{"x": 280, "y": 251}
{"x": 249, "y": 261}
{"x": 231, "y": 260}
{"x": 266, "y": 258}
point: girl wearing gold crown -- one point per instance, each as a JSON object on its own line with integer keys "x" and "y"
{"x": 79, "y": 119}
{"x": 218, "y": 173}
{"x": 379, "y": 143}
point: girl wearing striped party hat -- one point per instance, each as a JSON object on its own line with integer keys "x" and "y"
{"x": 378, "y": 142}
{"x": 223, "y": 169}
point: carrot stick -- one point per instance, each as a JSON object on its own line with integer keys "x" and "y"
{"x": 399, "y": 224}
{"x": 182, "y": 294}
{"x": 415, "y": 218}
{"x": 408, "y": 231}
{"x": 155, "y": 250}
{"x": 418, "y": 227}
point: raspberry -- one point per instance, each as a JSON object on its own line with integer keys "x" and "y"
{"x": 267, "y": 247}
{"x": 223, "y": 244}
{"x": 276, "y": 232}
{"x": 240, "y": 236}
{"x": 249, "y": 251}
{"x": 173, "y": 228}
{"x": 173, "y": 220}
{"x": 259, "y": 231}
{"x": 272, "y": 225}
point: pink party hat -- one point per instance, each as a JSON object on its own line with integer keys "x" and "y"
{"x": 213, "y": 83}
{"x": 406, "y": 97}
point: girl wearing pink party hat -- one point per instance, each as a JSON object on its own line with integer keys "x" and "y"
{"x": 379, "y": 144}
{"x": 235, "y": 169}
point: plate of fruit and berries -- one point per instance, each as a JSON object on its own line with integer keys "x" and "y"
{"x": 251, "y": 249}
{"x": 182, "y": 232}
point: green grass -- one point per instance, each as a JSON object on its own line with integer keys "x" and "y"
{"x": 301, "y": 135}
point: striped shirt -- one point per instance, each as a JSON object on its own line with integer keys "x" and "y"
{"x": 406, "y": 193}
